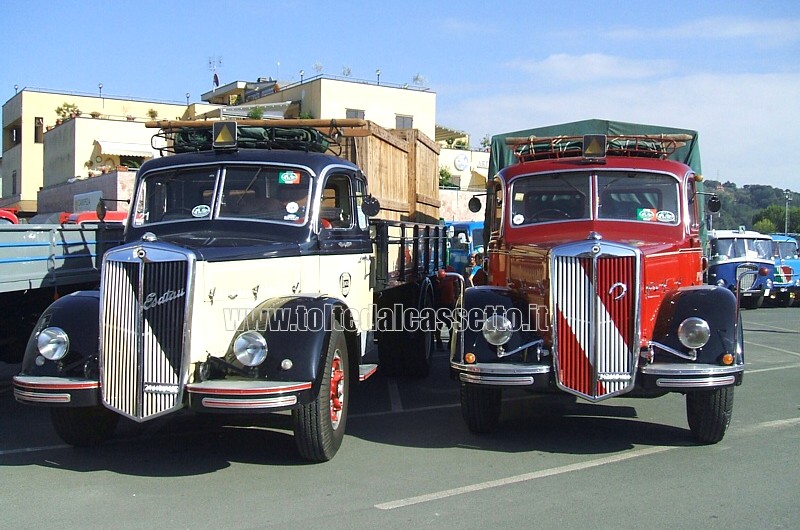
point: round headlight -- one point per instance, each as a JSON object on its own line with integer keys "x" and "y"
{"x": 721, "y": 282}
{"x": 53, "y": 343}
{"x": 497, "y": 330}
{"x": 250, "y": 348}
{"x": 694, "y": 332}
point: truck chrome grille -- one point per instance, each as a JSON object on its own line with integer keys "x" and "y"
{"x": 144, "y": 322}
{"x": 595, "y": 302}
{"x": 746, "y": 282}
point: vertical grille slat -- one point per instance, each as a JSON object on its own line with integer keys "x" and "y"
{"x": 595, "y": 300}
{"x": 143, "y": 317}
{"x": 747, "y": 281}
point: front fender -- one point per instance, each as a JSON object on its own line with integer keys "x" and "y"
{"x": 78, "y": 314}
{"x": 480, "y": 303}
{"x": 717, "y": 306}
{"x": 296, "y": 329}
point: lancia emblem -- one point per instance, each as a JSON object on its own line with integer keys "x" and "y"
{"x": 618, "y": 290}
{"x": 344, "y": 283}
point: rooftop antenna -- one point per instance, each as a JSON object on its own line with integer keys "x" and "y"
{"x": 318, "y": 67}
{"x": 213, "y": 64}
{"x": 346, "y": 71}
{"x": 419, "y": 79}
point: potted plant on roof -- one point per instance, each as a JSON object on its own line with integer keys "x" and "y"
{"x": 152, "y": 113}
{"x": 66, "y": 111}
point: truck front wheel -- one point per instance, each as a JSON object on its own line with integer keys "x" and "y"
{"x": 84, "y": 426}
{"x": 709, "y": 413}
{"x": 319, "y": 426}
{"x": 480, "y": 407}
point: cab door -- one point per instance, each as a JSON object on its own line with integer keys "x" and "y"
{"x": 345, "y": 248}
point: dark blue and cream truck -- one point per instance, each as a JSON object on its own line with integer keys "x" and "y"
{"x": 250, "y": 281}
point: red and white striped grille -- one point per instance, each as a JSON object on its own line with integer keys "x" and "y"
{"x": 144, "y": 323}
{"x": 595, "y": 301}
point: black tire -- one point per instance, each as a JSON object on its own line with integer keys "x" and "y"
{"x": 480, "y": 407}
{"x": 84, "y": 426}
{"x": 419, "y": 355}
{"x": 782, "y": 300}
{"x": 319, "y": 426}
{"x": 709, "y": 413}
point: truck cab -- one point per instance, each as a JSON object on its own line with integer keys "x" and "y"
{"x": 466, "y": 239}
{"x": 741, "y": 260}
{"x": 786, "y": 282}
{"x": 596, "y": 289}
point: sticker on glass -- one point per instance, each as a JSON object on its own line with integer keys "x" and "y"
{"x": 288, "y": 177}
{"x": 665, "y": 216}
{"x": 201, "y": 210}
{"x": 518, "y": 219}
{"x": 292, "y": 207}
{"x": 645, "y": 214}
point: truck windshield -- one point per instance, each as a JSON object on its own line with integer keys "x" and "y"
{"x": 638, "y": 196}
{"x": 741, "y": 248}
{"x": 550, "y": 197}
{"x": 247, "y": 192}
{"x": 785, "y": 249}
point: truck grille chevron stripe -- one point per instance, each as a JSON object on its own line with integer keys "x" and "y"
{"x": 595, "y": 300}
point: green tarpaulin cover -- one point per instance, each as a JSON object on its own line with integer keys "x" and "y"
{"x": 502, "y": 155}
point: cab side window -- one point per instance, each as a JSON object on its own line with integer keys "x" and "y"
{"x": 336, "y": 209}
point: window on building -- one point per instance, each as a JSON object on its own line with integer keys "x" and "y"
{"x": 404, "y": 122}
{"x": 38, "y": 131}
{"x": 354, "y": 113}
{"x": 14, "y": 183}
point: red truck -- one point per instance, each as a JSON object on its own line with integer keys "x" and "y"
{"x": 595, "y": 266}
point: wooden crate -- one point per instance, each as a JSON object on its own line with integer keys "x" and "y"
{"x": 402, "y": 167}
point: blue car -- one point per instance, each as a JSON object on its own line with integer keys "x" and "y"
{"x": 466, "y": 238}
{"x": 741, "y": 260}
{"x": 786, "y": 284}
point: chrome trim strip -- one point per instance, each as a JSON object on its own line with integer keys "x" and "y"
{"x": 223, "y": 387}
{"x": 265, "y": 403}
{"x": 537, "y": 342}
{"x": 688, "y": 356}
{"x": 41, "y": 397}
{"x": 502, "y": 369}
{"x": 494, "y": 380}
{"x": 674, "y": 370}
{"x": 697, "y": 382}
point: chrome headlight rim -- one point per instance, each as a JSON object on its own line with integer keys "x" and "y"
{"x": 497, "y": 330}
{"x": 694, "y": 333}
{"x": 250, "y": 348}
{"x": 52, "y": 343}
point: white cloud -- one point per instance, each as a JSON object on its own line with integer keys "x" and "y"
{"x": 747, "y": 123}
{"x": 592, "y": 67}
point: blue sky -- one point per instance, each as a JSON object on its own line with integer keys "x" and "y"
{"x": 730, "y": 70}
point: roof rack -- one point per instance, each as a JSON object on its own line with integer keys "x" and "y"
{"x": 531, "y": 148}
{"x": 185, "y": 136}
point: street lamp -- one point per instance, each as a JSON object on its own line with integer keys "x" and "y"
{"x": 187, "y": 98}
{"x": 100, "y": 88}
{"x": 788, "y": 194}
{"x": 378, "y": 73}
{"x": 301, "y": 75}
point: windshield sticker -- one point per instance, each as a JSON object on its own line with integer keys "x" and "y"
{"x": 645, "y": 214}
{"x": 292, "y": 207}
{"x": 201, "y": 210}
{"x": 665, "y": 216}
{"x": 518, "y": 219}
{"x": 288, "y": 177}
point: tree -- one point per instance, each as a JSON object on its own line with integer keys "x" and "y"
{"x": 445, "y": 178}
{"x": 765, "y": 226}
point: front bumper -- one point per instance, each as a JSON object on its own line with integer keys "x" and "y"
{"x": 502, "y": 374}
{"x": 233, "y": 395}
{"x": 57, "y": 391}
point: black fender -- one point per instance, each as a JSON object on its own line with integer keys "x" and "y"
{"x": 480, "y": 303}
{"x": 297, "y": 329}
{"x": 78, "y": 314}
{"x": 717, "y": 306}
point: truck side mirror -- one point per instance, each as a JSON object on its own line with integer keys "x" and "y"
{"x": 370, "y": 206}
{"x": 714, "y": 204}
{"x": 474, "y": 205}
{"x": 101, "y": 210}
